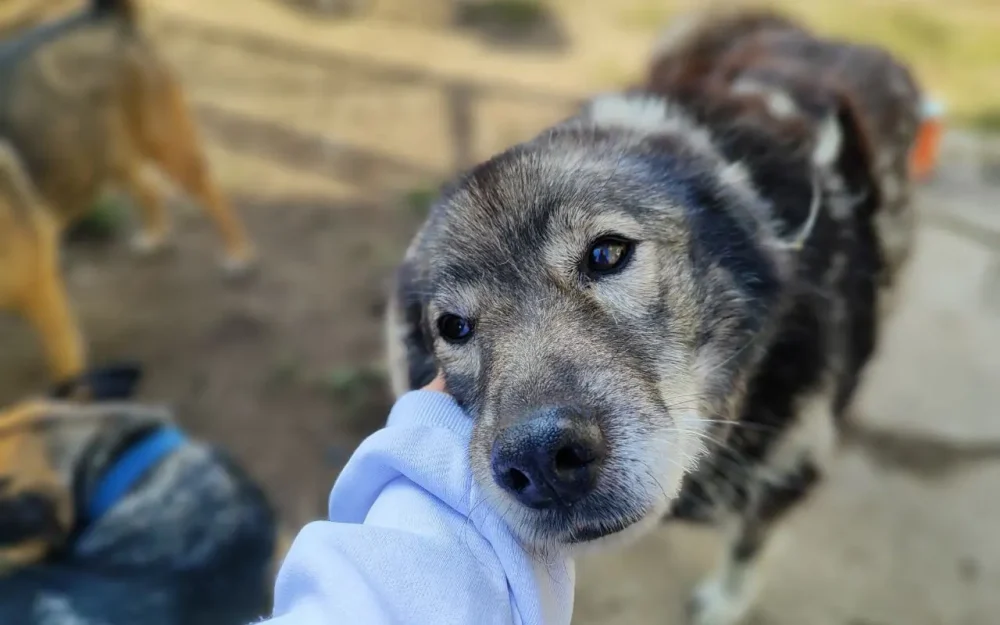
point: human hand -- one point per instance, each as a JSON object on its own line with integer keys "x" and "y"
{"x": 437, "y": 384}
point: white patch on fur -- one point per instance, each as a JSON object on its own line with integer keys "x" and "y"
{"x": 146, "y": 244}
{"x": 726, "y": 597}
{"x": 779, "y": 103}
{"x": 645, "y": 113}
{"x": 650, "y": 115}
{"x": 653, "y": 115}
{"x": 736, "y": 175}
{"x": 678, "y": 449}
{"x": 812, "y": 436}
{"x": 829, "y": 138}
{"x": 55, "y": 609}
{"x": 841, "y": 206}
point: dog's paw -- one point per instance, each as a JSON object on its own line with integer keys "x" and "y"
{"x": 146, "y": 244}
{"x": 715, "y": 603}
{"x": 238, "y": 267}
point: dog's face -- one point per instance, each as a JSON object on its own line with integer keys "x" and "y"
{"x": 590, "y": 298}
{"x": 46, "y": 445}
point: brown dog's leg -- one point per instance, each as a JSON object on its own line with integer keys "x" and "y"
{"x": 155, "y": 220}
{"x": 176, "y": 149}
{"x": 45, "y": 305}
{"x": 30, "y": 282}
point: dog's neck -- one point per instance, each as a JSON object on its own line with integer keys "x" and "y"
{"x": 115, "y": 462}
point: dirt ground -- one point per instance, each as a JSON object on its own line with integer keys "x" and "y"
{"x": 329, "y": 137}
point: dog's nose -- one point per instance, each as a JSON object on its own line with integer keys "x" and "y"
{"x": 551, "y": 458}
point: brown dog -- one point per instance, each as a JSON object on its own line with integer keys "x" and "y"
{"x": 87, "y": 102}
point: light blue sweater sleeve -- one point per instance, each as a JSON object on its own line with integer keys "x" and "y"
{"x": 411, "y": 541}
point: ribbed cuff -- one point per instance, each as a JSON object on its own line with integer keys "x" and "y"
{"x": 430, "y": 408}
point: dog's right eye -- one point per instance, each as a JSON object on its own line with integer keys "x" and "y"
{"x": 455, "y": 329}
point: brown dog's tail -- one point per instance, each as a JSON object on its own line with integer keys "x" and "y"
{"x": 121, "y": 8}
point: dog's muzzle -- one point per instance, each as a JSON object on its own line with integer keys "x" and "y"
{"x": 551, "y": 459}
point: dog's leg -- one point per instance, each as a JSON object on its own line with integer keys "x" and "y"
{"x": 196, "y": 181}
{"x": 45, "y": 305}
{"x": 728, "y": 594}
{"x": 175, "y": 148}
{"x": 782, "y": 482}
{"x": 30, "y": 281}
{"x": 155, "y": 221}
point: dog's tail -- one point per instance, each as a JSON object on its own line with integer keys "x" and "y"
{"x": 121, "y": 8}
{"x": 692, "y": 43}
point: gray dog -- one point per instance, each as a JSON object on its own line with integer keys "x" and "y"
{"x": 110, "y": 515}
{"x": 663, "y": 305}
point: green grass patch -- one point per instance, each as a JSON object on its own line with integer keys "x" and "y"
{"x": 507, "y": 13}
{"x": 420, "y": 200}
{"x": 647, "y": 16}
{"x": 985, "y": 121}
{"x": 106, "y": 220}
{"x": 352, "y": 386}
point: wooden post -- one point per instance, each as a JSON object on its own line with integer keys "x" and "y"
{"x": 461, "y": 98}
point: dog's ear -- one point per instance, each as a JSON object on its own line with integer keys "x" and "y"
{"x": 36, "y": 503}
{"x": 117, "y": 382}
{"x": 28, "y": 516}
{"x": 411, "y": 359}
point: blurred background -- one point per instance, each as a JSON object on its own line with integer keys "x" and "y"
{"x": 331, "y": 125}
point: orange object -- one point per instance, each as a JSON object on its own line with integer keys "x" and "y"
{"x": 923, "y": 158}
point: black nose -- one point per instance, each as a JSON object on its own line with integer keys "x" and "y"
{"x": 551, "y": 458}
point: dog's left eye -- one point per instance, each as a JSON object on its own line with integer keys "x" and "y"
{"x": 608, "y": 255}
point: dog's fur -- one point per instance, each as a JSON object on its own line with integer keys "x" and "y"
{"x": 87, "y": 102}
{"x": 191, "y": 543}
{"x": 762, "y": 172}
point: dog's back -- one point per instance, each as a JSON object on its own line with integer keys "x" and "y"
{"x": 75, "y": 98}
{"x": 59, "y": 85}
{"x": 798, "y": 75}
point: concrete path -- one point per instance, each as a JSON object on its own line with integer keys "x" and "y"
{"x": 907, "y": 531}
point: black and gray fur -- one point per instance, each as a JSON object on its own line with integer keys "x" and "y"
{"x": 192, "y": 544}
{"x": 720, "y": 361}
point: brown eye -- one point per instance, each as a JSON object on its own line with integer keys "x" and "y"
{"x": 454, "y": 329}
{"x": 608, "y": 255}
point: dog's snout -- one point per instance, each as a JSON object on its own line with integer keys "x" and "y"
{"x": 550, "y": 458}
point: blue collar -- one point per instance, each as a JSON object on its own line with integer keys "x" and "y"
{"x": 130, "y": 467}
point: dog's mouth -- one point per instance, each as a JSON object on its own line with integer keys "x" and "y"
{"x": 583, "y": 524}
{"x": 597, "y": 531}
